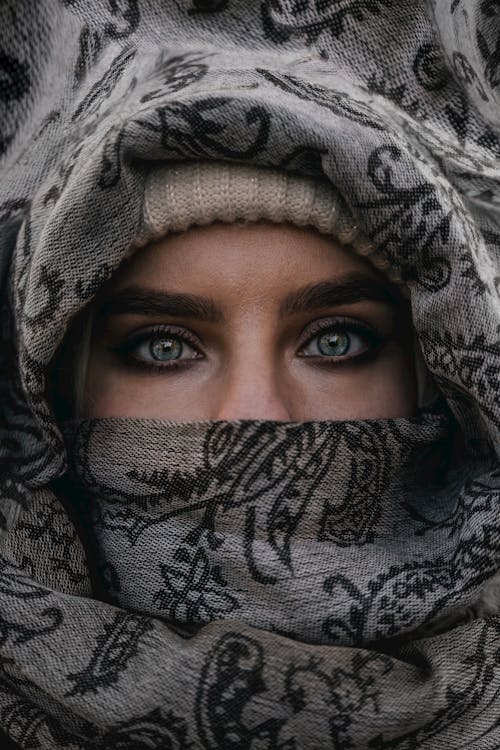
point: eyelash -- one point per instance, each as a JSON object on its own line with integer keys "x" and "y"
{"x": 339, "y": 324}
{"x": 124, "y": 349}
{"x": 374, "y": 340}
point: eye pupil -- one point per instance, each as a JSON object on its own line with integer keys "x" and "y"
{"x": 165, "y": 348}
{"x": 334, "y": 343}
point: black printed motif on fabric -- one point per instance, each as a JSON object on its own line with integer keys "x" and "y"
{"x": 333, "y": 696}
{"x": 492, "y": 240}
{"x": 16, "y": 585}
{"x": 386, "y": 599}
{"x": 51, "y": 284}
{"x": 157, "y": 729}
{"x": 15, "y": 581}
{"x": 52, "y": 117}
{"x": 336, "y": 102}
{"x": 11, "y": 492}
{"x": 318, "y": 23}
{"x": 113, "y": 650}
{"x": 52, "y": 527}
{"x": 200, "y": 128}
{"x": 304, "y": 161}
{"x": 124, "y": 19}
{"x": 470, "y": 272}
{"x": 103, "y": 88}
{"x": 23, "y": 428}
{"x": 432, "y": 74}
{"x": 490, "y": 10}
{"x": 234, "y": 677}
{"x": 474, "y": 363}
{"x": 119, "y": 19}
{"x": 176, "y": 73}
{"x": 195, "y": 590}
{"x": 398, "y": 93}
{"x": 28, "y": 725}
{"x": 207, "y": 6}
{"x": 11, "y": 207}
{"x": 467, "y": 697}
{"x": 90, "y": 46}
{"x": 86, "y": 290}
{"x": 418, "y": 225}
{"x": 355, "y": 519}
{"x": 429, "y": 67}
{"x": 249, "y": 461}
{"x": 30, "y": 424}
{"x": 492, "y": 59}
{"x": 34, "y": 382}
{"x": 466, "y": 73}
{"x": 272, "y": 477}
{"x": 478, "y": 497}
{"x": 231, "y": 676}
{"x": 111, "y": 166}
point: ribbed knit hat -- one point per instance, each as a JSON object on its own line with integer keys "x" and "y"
{"x": 178, "y": 196}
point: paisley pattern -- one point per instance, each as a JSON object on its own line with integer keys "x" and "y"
{"x": 213, "y": 518}
{"x": 324, "y": 584}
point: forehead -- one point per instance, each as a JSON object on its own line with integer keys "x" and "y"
{"x": 241, "y": 257}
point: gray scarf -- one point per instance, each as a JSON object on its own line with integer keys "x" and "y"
{"x": 272, "y": 524}
{"x": 251, "y": 585}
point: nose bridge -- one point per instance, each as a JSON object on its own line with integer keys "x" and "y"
{"x": 250, "y": 387}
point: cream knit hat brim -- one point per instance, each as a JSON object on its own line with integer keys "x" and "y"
{"x": 179, "y": 196}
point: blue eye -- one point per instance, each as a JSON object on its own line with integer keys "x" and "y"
{"x": 165, "y": 348}
{"x": 346, "y": 341}
{"x": 333, "y": 343}
{"x": 158, "y": 348}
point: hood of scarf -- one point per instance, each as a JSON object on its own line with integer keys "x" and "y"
{"x": 251, "y": 585}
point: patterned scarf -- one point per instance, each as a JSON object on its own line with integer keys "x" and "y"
{"x": 197, "y": 522}
{"x": 251, "y": 584}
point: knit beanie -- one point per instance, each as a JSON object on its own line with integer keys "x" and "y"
{"x": 179, "y": 196}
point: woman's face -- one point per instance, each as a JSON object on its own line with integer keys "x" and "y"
{"x": 255, "y": 321}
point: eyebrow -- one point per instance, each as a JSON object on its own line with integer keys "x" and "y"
{"x": 344, "y": 291}
{"x": 143, "y": 301}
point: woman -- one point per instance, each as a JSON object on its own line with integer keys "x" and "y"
{"x": 240, "y": 289}
{"x": 251, "y": 413}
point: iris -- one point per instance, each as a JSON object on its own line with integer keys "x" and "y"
{"x": 334, "y": 343}
{"x": 165, "y": 348}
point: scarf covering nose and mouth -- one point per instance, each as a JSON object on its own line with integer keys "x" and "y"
{"x": 254, "y": 586}
{"x": 278, "y": 525}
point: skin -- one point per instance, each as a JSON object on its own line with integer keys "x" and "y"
{"x": 252, "y": 359}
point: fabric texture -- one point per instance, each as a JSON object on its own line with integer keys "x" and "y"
{"x": 177, "y": 197}
{"x": 240, "y": 514}
{"x": 396, "y": 105}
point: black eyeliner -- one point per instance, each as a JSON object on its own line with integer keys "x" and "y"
{"x": 123, "y": 350}
{"x": 375, "y": 339}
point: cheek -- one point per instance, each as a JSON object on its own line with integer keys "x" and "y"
{"x": 392, "y": 392}
{"x": 382, "y": 389}
{"x": 111, "y": 392}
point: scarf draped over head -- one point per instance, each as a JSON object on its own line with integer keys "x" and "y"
{"x": 251, "y": 584}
